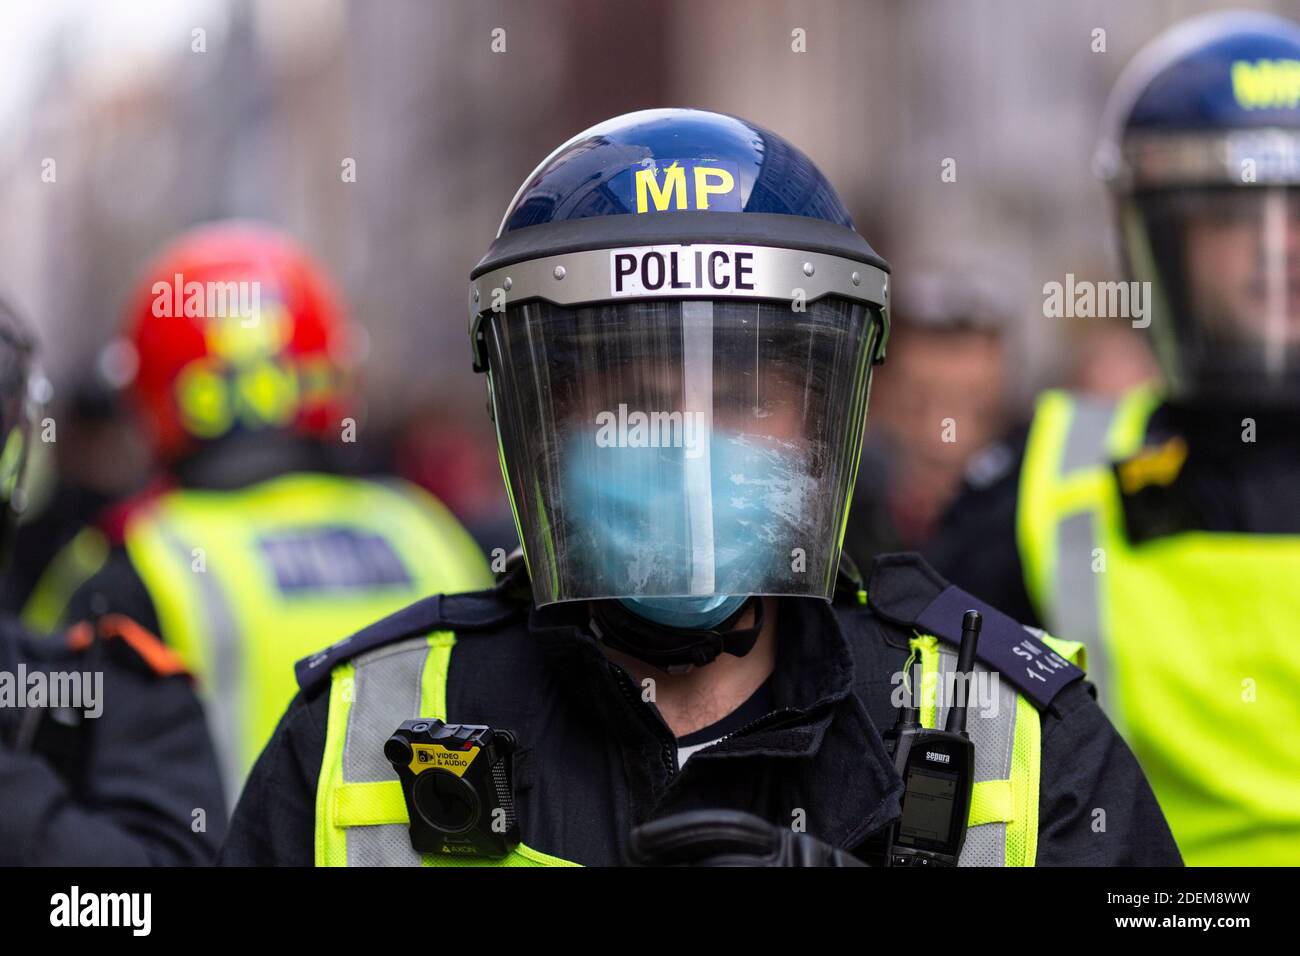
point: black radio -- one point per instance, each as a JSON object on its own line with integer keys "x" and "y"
{"x": 938, "y": 771}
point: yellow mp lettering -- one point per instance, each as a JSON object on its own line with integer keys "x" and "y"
{"x": 725, "y": 183}
{"x": 647, "y": 187}
{"x": 1266, "y": 84}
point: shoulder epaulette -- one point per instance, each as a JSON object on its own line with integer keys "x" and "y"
{"x": 146, "y": 646}
{"x": 904, "y": 589}
{"x": 477, "y": 610}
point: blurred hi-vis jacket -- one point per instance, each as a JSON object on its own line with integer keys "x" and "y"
{"x": 245, "y": 582}
{"x": 1190, "y": 636}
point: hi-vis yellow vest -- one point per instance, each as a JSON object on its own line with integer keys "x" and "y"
{"x": 361, "y": 817}
{"x": 247, "y": 582}
{"x": 1191, "y": 638}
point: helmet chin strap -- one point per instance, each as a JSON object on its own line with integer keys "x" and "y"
{"x": 674, "y": 649}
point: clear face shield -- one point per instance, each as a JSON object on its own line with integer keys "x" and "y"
{"x": 1224, "y": 268}
{"x": 698, "y": 449}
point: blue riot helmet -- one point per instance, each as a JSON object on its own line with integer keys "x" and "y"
{"x": 1201, "y": 150}
{"x": 678, "y": 324}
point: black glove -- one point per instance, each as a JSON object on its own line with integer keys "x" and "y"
{"x": 728, "y": 838}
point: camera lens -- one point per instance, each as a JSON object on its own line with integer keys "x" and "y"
{"x": 445, "y": 801}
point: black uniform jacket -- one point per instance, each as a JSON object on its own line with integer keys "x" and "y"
{"x": 130, "y": 780}
{"x": 596, "y": 760}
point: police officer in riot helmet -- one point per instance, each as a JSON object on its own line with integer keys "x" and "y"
{"x": 1163, "y": 529}
{"x": 678, "y": 326}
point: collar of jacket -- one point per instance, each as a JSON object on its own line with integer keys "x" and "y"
{"x": 813, "y": 673}
{"x": 853, "y": 789}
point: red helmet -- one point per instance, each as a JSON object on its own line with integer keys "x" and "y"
{"x": 235, "y": 328}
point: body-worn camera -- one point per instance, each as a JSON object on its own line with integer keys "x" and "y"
{"x": 458, "y": 780}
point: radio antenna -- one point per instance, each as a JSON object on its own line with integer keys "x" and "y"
{"x": 970, "y": 636}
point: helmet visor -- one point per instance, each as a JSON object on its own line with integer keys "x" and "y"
{"x": 1224, "y": 268}
{"x": 681, "y": 448}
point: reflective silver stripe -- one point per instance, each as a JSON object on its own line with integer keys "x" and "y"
{"x": 387, "y": 684}
{"x": 221, "y": 686}
{"x": 994, "y": 736}
{"x": 1075, "y": 609}
{"x": 1085, "y": 442}
{"x": 387, "y": 690}
{"x": 577, "y": 278}
{"x": 1076, "y": 593}
{"x": 1163, "y": 160}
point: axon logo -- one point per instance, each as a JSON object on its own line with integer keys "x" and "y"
{"x": 935, "y": 757}
{"x": 74, "y": 908}
{"x": 636, "y": 429}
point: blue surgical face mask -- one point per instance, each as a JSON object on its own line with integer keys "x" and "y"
{"x": 639, "y": 517}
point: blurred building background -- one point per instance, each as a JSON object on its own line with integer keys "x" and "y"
{"x": 124, "y": 121}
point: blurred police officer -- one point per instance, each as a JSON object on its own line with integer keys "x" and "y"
{"x": 104, "y": 756}
{"x": 679, "y": 324}
{"x": 251, "y": 553}
{"x": 1163, "y": 530}
{"x": 948, "y": 317}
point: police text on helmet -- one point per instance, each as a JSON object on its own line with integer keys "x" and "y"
{"x": 660, "y": 268}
